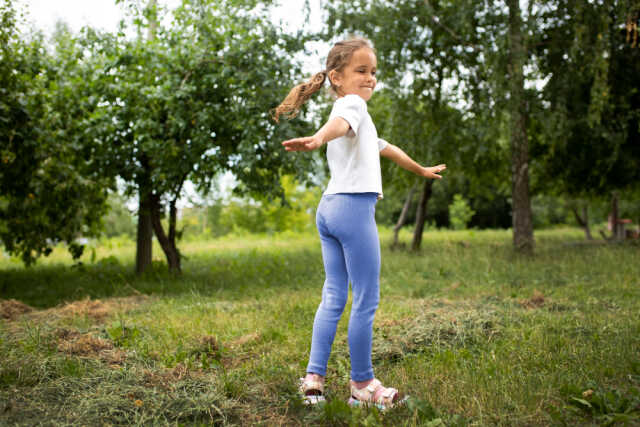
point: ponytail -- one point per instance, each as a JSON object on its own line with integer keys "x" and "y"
{"x": 300, "y": 94}
{"x": 338, "y": 58}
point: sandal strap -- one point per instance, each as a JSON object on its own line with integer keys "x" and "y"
{"x": 306, "y": 385}
{"x": 366, "y": 394}
{"x": 386, "y": 398}
{"x": 373, "y": 386}
{"x": 313, "y": 399}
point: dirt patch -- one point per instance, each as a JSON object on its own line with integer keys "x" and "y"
{"x": 84, "y": 345}
{"x": 537, "y": 300}
{"x": 210, "y": 344}
{"x": 153, "y": 379}
{"x": 11, "y": 309}
{"x": 63, "y": 334}
{"x": 167, "y": 378}
{"x": 434, "y": 325}
{"x": 454, "y": 286}
{"x": 89, "y": 346}
{"x": 179, "y": 371}
{"x": 99, "y": 309}
{"x": 245, "y": 339}
{"x": 95, "y": 309}
{"x": 386, "y": 323}
{"x": 240, "y": 350}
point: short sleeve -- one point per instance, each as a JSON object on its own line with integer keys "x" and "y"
{"x": 352, "y": 108}
{"x": 382, "y": 144}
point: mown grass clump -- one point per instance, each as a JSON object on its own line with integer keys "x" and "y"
{"x": 472, "y": 332}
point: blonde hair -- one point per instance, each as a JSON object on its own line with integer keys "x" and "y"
{"x": 338, "y": 58}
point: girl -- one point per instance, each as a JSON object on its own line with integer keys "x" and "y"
{"x": 346, "y": 215}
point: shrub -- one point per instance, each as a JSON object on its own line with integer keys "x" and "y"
{"x": 460, "y": 212}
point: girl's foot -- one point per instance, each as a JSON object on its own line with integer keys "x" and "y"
{"x": 373, "y": 393}
{"x": 312, "y": 389}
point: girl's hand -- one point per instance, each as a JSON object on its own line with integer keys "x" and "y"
{"x": 306, "y": 143}
{"x": 433, "y": 171}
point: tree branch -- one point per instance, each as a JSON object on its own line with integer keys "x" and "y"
{"x": 438, "y": 22}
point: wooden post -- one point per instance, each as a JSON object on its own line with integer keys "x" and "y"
{"x": 615, "y": 223}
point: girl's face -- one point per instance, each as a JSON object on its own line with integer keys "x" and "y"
{"x": 359, "y": 76}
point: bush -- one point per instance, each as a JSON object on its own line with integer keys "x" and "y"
{"x": 272, "y": 216}
{"x": 261, "y": 215}
{"x": 548, "y": 211}
{"x": 460, "y": 212}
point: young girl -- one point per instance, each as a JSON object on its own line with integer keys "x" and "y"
{"x": 346, "y": 215}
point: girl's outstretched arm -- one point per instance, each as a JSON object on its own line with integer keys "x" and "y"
{"x": 404, "y": 161}
{"x": 333, "y": 129}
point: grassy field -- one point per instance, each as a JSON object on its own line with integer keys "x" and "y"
{"x": 475, "y": 334}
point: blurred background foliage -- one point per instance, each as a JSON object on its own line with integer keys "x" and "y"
{"x": 98, "y": 129}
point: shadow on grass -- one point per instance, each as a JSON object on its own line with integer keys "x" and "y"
{"x": 230, "y": 276}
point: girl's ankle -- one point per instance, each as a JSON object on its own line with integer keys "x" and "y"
{"x": 361, "y": 384}
{"x": 314, "y": 377}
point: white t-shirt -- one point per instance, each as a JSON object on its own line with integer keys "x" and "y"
{"x": 354, "y": 159}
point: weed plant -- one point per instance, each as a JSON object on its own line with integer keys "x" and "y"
{"x": 474, "y": 333}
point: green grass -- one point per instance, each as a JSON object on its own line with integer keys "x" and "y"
{"x": 475, "y": 334}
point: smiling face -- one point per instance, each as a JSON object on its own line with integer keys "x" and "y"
{"x": 358, "y": 76}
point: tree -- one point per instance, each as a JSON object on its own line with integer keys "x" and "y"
{"x": 49, "y": 192}
{"x": 589, "y": 134}
{"x": 423, "y": 47}
{"x": 460, "y": 212}
{"x": 522, "y": 221}
{"x": 144, "y": 233}
{"x": 193, "y": 102}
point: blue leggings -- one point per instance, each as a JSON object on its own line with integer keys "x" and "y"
{"x": 351, "y": 252}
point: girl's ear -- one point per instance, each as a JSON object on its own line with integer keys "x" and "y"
{"x": 334, "y": 77}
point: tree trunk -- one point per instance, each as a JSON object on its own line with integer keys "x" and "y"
{"x": 145, "y": 229}
{"x": 421, "y": 214}
{"x": 521, "y": 203}
{"x": 403, "y": 216}
{"x": 167, "y": 243}
{"x": 583, "y": 220}
{"x": 145, "y": 232}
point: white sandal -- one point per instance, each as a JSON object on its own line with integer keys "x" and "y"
{"x": 365, "y": 396}
{"x": 312, "y": 391}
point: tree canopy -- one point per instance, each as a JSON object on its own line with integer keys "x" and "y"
{"x": 50, "y": 191}
{"x": 193, "y": 102}
{"x": 590, "y": 131}
{"x": 189, "y": 103}
{"x": 549, "y": 91}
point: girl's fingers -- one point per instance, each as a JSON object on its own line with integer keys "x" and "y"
{"x": 295, "y": 147}
{"x": 296, "y": 141}
{"x": 433, "y": 171}
{"x": 297, "y": 144}
{"x": 438, "y": 169}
